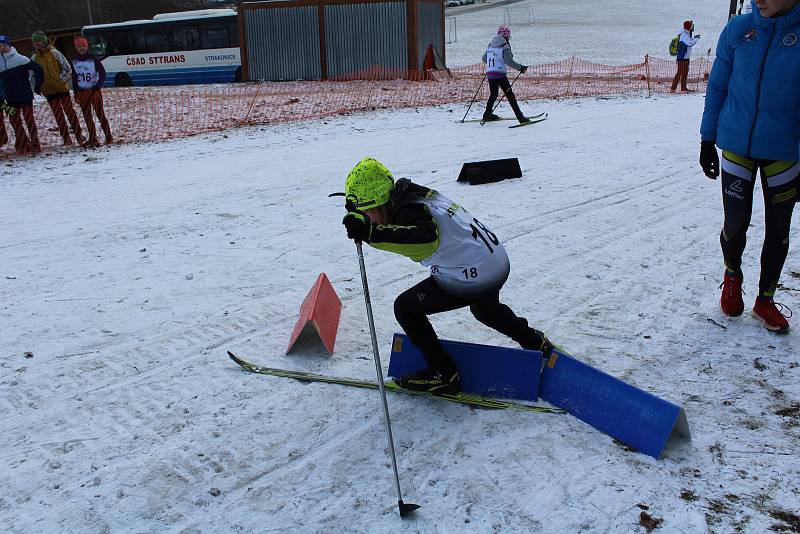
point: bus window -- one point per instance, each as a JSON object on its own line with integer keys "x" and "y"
{"x": 158, "y": 40}
{"x": 98, "y": 46}
{"x": 139, "y": 42}
{"x": 214, "y": 37}
{"x": 186, "y": 38}
{"x": 118, "y": 43}
{"x": 233, "y": 30}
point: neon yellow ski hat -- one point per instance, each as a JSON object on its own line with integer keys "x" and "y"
{"x": 369, "y": 184}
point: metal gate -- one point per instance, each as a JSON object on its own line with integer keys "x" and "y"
{"x": 339, "y": 39}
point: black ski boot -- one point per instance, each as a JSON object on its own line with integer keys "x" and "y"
{"x": 489, "y": 117}
{"x": 536, "y": 340}
{"x": 524, "y": 120}
{"x": 432, "y": 380}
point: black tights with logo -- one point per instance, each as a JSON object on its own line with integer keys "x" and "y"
{"x": 414, "y": 305}
{"x": 737, "y": 200}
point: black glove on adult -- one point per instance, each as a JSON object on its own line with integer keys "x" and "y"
{"x": 709, "y": 159}
{"x": 357, "y": 225}
{"x": 524, "y": 69}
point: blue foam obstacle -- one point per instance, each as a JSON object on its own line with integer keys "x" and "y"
{"x": 627, "y": 413}
{"x": 485, "y": 369}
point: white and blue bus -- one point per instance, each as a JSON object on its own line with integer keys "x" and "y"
{"x": 173, "y": 48}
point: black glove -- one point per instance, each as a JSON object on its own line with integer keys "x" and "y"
{"x": 10, "y": 110}
{"x": 709, "y": 159}
{"x": 698, "y": 36}
{"x": 358, "y": 226}
{"x": 524, "y": 69}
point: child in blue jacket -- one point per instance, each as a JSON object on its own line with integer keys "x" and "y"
{"x": 752, "y": 112}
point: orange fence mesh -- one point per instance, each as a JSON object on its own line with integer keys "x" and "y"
{"x": 151, "y": 114}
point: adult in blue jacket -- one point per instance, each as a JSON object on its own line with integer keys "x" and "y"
{"x": 3, "y": 133}
{"x": 15, "y": 73}
{"x": 752, "y": 112}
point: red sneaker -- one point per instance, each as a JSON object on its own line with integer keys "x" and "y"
{"x": 771, "y": 314}
{"x": 731, "y": 300}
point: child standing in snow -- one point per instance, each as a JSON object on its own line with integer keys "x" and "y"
{"x": 57, "y": 76}
{"x": 752, "y": 112}
{"x": 498, "y": 57}
{"x": 88, "y": 76}
{"x": 468, "y": 265}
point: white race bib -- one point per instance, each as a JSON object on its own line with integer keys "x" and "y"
{"x": 494, "y": 60}
{"x": 86, "y": 73}
{"x": 470, "y": 257}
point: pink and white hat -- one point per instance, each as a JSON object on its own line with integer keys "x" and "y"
{"x": 505, "y": 31}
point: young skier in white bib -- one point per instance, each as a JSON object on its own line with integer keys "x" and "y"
{"x": 467, "y": 261}
{"x": 498, "y": 57}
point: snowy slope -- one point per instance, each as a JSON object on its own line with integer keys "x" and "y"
{"x": 616, "y": 32}
{"x": 128, "y": 272}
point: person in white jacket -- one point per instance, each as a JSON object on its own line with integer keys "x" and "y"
{"x": 687, "y": 41}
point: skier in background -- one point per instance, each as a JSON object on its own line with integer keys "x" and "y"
{"x": 687, "y": 41}
{"x": 752, "y": 112}
{"x": 468, "y": 265}
{"x": 498, "y": 57}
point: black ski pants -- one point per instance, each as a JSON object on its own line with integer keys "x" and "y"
{"x": 503, "y": 84}
{"x": 414, "y": 305}
{"x": 779, "y": 184}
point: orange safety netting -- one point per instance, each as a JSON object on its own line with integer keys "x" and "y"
{"x": 151, "y": 114}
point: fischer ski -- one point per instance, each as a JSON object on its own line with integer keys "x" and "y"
{"x": 462, "y": 398}
{"x": 533, "y": 120}
{"x": 536, "y": 117}
{"x": 495, "y": 120}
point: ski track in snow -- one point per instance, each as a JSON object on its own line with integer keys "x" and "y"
{"x": 614, "y": 32}
{"x": 129, "y": 271}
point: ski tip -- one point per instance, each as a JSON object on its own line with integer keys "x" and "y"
{"x": 235, "y": 358}
{"x": 406, "y": 508}
{"x": 534, "y": 120}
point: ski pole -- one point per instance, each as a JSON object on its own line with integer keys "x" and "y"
{"x": 474, "y": 97}
{"x": 405, "y": 508}
{"x": 504, "y": 93}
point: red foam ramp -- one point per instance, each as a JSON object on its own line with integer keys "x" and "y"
{"x": 320, "y": 309}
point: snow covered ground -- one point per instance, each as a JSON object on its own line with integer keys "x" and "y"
{"x": 127, "y": 272}
{"x": 616, "y": 32}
